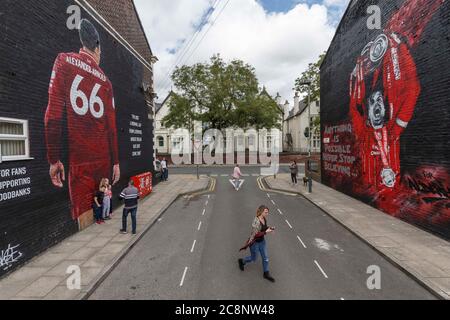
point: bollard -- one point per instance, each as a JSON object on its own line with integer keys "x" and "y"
{"x": 310, "y": 184}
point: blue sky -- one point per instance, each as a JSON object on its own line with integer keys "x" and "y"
{"x": 284, "y": 5}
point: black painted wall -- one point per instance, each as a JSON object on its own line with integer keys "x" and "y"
{"x": 32, "y": 34}
{"x": 421, "y": 194}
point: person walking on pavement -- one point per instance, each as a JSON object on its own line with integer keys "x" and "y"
{"x": 237, "y": 176}
{"x": 131, "y": 196}
{"x": 294, "y": 172}
{"x": 257, "y": 242}
{"x": 165, "y": 169}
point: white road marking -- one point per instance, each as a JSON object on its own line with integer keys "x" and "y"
{"x": 268, "y": 196}
{"x": 303, "y": 244}
{"x": 199, "y": 226}
{"x": 224, "y": 175}
{"x": 320, "y": 268}
{"x": 342, "y": 299}
{"x": 289, "y": 224}
{"x": 204, "y": 211}
{"x": 255, "y": 175}
{"x": 214, "y": 175}
{"x": 273, "y": 202}
{"x": 246, "y": 175}
{"x": 206, "y": 204}
{"x": 160, "y": 219}
{"x": 184, "y": 276}
{"x": 209, "y": 196}
{"x": 281, "y": 212}
{"x": 193, "y": 246}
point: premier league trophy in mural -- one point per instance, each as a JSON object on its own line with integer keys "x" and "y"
{"x": 81, "y": 95}
{"x": 384, "y": 89}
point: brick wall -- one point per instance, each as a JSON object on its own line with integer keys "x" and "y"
{"x": 385, "y": 110}
{"x": 34, "y": 214}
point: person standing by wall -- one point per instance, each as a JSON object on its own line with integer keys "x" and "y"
{"x": 257, "y": 242}
{"x": 107, "y": 199}
{"x": 165, "y": 169}
{"x": 98, "y": 205}
{"x": 294, "y": 172}
{"x": 131, "y": 196}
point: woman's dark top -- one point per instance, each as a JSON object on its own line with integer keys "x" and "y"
{"x": 264, "y": 228}
{"x": 99, "y": 195}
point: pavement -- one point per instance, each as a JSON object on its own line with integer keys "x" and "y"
{"x": 192, "y": 253}
{"x": 421, "y": 255}
{"x": 95, "y": 250}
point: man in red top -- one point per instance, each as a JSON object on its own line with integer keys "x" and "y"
{"x": 384, "y": 89}
{"x": 81, "y": 94}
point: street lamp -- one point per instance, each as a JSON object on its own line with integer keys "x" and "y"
{"x": 308, "y": 83}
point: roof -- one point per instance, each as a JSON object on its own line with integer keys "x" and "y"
{"x": 158, "y": 107}
{"x": 303, "y": 106}
{"x": 123, "y": 17}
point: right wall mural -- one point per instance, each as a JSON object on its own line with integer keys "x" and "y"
{"x": 385, "y": 96}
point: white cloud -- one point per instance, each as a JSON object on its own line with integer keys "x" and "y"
{"x": 278, "y": 45}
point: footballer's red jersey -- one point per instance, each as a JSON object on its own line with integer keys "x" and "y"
{"x": 82, "y": 96}
{"x": 80, "y": 91}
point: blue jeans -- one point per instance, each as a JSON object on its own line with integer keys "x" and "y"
{"x": 133, "y": 219}
{"x": 165, "y": 174}
{"x": 98, "y": 213}
{"x": 262, "y": 249}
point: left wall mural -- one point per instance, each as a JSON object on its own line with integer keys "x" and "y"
{"x": 71, "y": 113}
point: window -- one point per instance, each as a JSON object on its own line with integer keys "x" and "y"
{"x": 316, "y": 140}
{"x": 161, "y": 142}
{"x": 14, "y": 143}
{"x": 269, "y": 143}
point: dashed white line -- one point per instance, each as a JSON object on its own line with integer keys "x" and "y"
{"x": 184, "y": 276}
{"x": 199, "y": 226}
{"x": 289, "y": 224}
{"x": 301, "y": 241}
{"x": 281, "y": 212}
{"x": 320, "y": 268}
{"x": 193, "y": 246}
{"x": 273, "y": 202}
{"x": 268, "y": 196}
{"x": 204, "y": 211}
{"x": 224, "y": 175}
{"x": 206, "y": 204}
{"x": 209, "y": 196}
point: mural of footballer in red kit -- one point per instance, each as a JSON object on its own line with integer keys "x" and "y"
{"x": 384, "y": 89}
{"x": 81, "y": 95}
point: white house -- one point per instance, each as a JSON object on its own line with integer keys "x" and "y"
{"x": 166, "y": 140}
{"x": 296, "y": 126}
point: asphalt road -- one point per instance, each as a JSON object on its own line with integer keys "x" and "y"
{"x": 192, "y": 253}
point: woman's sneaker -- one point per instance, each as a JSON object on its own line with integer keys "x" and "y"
{"x": 241, "y": 264}
{"x": 267, "y": 276}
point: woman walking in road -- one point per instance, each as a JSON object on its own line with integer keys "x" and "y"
{"x": 257, "y": 242}
{"x": 294, "y": 172}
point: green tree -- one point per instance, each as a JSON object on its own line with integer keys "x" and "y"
{"x": 221, "y": 95}
{"x": 311, "y": 74}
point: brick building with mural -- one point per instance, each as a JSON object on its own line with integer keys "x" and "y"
{"x": 76, "y": 106}
{"x": 386, "y": 110}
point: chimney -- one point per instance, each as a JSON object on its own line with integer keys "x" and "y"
{"x": 278, "y": 99}
{"x": 296, "y": 103}
{"x": 286, "y": 109}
